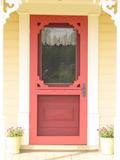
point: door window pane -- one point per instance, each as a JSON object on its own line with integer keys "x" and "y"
{"x": 58, "y": 54}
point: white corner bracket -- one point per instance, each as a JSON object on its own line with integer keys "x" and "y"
{"x": 108, "y": 6}
{"x": 7, "y": 7}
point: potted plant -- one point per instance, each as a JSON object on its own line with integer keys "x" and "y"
{"x": 107, "y": 139}
{"x": 14, "y": 136}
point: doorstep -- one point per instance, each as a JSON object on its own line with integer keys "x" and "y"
{"x": 60, "y": 147}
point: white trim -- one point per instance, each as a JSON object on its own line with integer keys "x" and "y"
{"x": 109, "y": 8}
{"x": 10, "y": 6}
{"x": 3, "y": 16}
{"x": 62, "y": 8}
{"x": 117, "y": 107}
{"x": 1, "y": 67}
{"x": 2, "y": 119}
{"x": 93, "y": 116}
{"x": 23, "y": 119}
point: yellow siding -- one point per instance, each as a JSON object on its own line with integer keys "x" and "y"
{"x": 107, "y": 52}
{"x": 11, "y": 32}
{"x": 106, "y": 69}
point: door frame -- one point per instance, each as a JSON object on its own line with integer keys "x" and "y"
{"x": 24, "y": 61}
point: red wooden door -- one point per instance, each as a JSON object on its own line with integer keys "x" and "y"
{"x": 58, "y": 80}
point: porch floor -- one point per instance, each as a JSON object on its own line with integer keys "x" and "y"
{"x": 57, "y": 155}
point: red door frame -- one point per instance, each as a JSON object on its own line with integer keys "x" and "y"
{"x": 37, "y": 23}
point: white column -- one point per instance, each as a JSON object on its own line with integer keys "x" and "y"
{"x": 108, "y": 7}
{"x": 93, "y": 116}
{"x": 2, "y": 129}
{"x": 3, "y": 17}
{"x": 2, "y": 121}
{"x": 24, "y": 56}
{"x": 1, "y": 68}
{"x": 117, "y": 108}
{"x": 117, "y": 111}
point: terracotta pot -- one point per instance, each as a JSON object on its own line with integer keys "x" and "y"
{"x": 107, "y": 145}
{"x": 13, "y": 144}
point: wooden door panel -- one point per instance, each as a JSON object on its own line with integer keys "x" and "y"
{"x": 60, "y": 112}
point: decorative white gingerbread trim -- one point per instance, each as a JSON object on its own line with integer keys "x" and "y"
{"x": 108, "y": 6}
{"x": 7, "y": 7}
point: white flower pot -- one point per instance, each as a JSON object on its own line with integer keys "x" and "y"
{"x": 107, "y": 145}
{"x": 13, "y": 144}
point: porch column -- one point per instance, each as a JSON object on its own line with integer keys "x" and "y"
{"x": 6, "y": 8}
{"x": 2, "y": 130}
{"x": 108, "y": 7}
{"x": 117, "y": 108}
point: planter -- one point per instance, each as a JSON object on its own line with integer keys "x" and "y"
{"x": 13, "y": 144}
{"x": 107, "y": 145}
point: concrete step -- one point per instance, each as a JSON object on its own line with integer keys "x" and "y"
{"x": 60, "y": 147}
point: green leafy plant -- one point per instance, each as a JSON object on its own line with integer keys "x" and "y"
{"x": 15, "y": 132}
{"x": 106, "y": 131}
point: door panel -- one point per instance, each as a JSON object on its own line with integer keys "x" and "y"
{"x": 58, "y": 80}
{"x": 60, "y": 113}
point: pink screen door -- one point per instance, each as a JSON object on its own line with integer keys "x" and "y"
{"x": 58, "y": 80}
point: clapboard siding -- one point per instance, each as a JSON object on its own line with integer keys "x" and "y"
{"x": 107, "y": 50}
{"x": 11, "y": 74}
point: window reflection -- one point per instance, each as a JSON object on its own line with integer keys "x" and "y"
{"x": 58, "y": 55}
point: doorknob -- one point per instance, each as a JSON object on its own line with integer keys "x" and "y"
{"x": 84, "y": 90}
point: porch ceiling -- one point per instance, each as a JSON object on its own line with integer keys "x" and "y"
{"x": 60, "y": 7}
